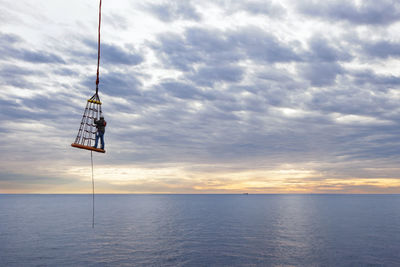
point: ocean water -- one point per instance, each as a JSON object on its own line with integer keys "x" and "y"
{"x": 200, "y": 230}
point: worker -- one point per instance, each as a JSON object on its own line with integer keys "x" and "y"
{"x": 100, "y": 125}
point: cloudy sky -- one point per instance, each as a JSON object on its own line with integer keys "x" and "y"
{"x": 212, "y": 96}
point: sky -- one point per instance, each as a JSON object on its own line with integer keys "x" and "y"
{"x": 213, "y": 96}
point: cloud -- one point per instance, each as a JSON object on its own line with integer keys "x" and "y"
{"x": 9, "y": 39}
{"x": 7, "y": 109}
{"x": 38, "y": 57}
{"x": 17, "y": 76}
{"x": 256, "y": 86}
{"x": 171, "y": 11}
{"x": 208, "y": 76}
{"x": 212, "y": 46}
{"x": 252, "y": 7}
{"x": 29, "y": 180}
{"x": 379, "y": 82}
{"x": 117, "y": 21}
{"x": 9, "y": 48}
{"x": 260, "y": 45}
{"x": 266, "y": 8}
{"x": 176, "y": 52}
{"x": 113, "y": 54}
{"x": 320, "y": 73}
{"x": 66, "y": 72}
{"x": 185, "y": 90}
{"x": 382, "y": 49}
{"x": 322, "y": 61}
{"x": 115, "y": 83}
{"x": 39, "y": 107}
{"x": 367, "y": 12}
{"x": 327, "y": 50}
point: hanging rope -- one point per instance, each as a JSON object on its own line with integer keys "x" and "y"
{"x": 87, "y": 130}
{"x": 91, "y": 158}
{"x": 98, "y": 100}
{"x": 98, "y": 52}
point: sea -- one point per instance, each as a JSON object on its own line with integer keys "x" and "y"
{"x": 200, "y": 230}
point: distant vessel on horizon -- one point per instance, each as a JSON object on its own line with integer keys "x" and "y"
{"x": 245, "y": 193}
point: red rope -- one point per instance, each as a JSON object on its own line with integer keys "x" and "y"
{"x": 98, "y": 52}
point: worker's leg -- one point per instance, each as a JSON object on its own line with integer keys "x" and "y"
{"x": 97, "y": 140}
{"x": 102, "y": 140}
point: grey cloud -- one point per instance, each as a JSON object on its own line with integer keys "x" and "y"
{"x": 253, "y": 7}
{"x": 366, "y": 142}
{"x": 185, "y": 91}
{"x": 208, "y": 40}
{"x": 320, "y": 73}
{"x": 258, "y": 98}
{"x": 208, "y": 76}
{"x": 30, "y": 180}
{"x": 262, "y": 46}
{"x": 10, "y": 48}
{"x": 17, "y": 76}
{"x": 176, "y": 52}
{"x": 39, "y": 107}
{"x": 8, "y": 39}
{"x": 66, "y": 72}
{"x": 324, "y": 50}
{"x": 44, "y": 106}
{"x": 272, "y": 93}
{"x": 176, "y": 10}
{"x": 113, "y": 54}
{"x": 382, "y": 49}
{"x": 262, "y": 7}
{"x": 353, "y": 100}
{"x": 323, "y": 61}
{"x": 31, "y": 55}
{"x": 380, "y": 82}
{"x": 8, "y": 109}
{"x": 115, "y": 20}
{"x": 39, "y": 57}
{"x": 115, "y": 84}
{"x": 281, "y": 75}
{"x": 212, "y": 47}
{"x": 367, "y": 12}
